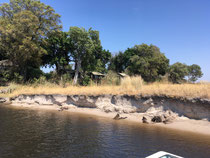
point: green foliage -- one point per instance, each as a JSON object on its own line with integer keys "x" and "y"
{"x": 34, "y": 72}
{"x": 148, "y": 62}
{"x": 86, "y": 80}
{"x": 87, "y": 52}
{"x": 2, "y": 54}
{"x": 48, "y": 76}
{"x": 8, "y": 75}
{"x": 5, "y": 76}
{"x": 143, "y": 60}
{"x": 194, "y": 72}
{"x": 53, "y": 77}
{"x": 31, "y": 36}
{"x": 81, "y": 47}
{"x": 178, "y": 72}
{"x": 17, "y": 78}
{"x": 111, "y": 78}
{"x": 65, "y": 78}
{"x": 97, "y": 58}
{"x": 41, "y": 80}
{"x": 164, "y": 78}
{"x": 58, "y": 54}
{"x": 24, "y": 26}
{"x": 118, "y": 63}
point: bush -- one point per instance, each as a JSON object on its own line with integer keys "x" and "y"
{"x": 65, "y": 78}
{"x": 5, "y": 76}
{"x": 111, "y": 79}
{"x": 48, "y": 75}
{"x": 18, "y": 78}
{"x": 53, "y": 77}
{"x": 164, "y": 79}
{"x": 41, "y": 80}
{"x": 34, "y": 73}
{"x": 86, "y": 80}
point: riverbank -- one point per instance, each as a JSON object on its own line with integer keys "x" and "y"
{"x": 181, "y": 123}
{"x": 46, "y": 126}
{"x": 191, "y": 115}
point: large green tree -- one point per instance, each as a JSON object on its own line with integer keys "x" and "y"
{"x": 24, "y": 27}
{"x": 145, "y": 60}
{"x": 194, "y": 72}
{"x": 97, "y": 59}
{"x": 177, "y": 72}
{"x": 58, "y": 52}
{"x": 87, "y": 52}
{"x": 148, "y": 62}
{"x": 118, "y": 62}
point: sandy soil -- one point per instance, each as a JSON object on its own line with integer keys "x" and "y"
{"x": 181, "y": 123}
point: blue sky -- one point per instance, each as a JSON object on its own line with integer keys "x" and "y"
{"x": 180, "y": 28}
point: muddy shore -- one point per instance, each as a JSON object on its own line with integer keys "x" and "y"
{"x": 192, "y": 115}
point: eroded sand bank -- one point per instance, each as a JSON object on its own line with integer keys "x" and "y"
{"x": 180, "y": 123}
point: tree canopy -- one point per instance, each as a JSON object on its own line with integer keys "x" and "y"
{"x": 145, "y": 60}
{"x": 58, "y": 52}
{"x": 24, "y": 27}
{"x": 86, "y": 51}
{"x": 177, "y": 72}
{"x": 118, "y": 62}
{"x": 194, "y": 72}
{"x": 31, "y": 36}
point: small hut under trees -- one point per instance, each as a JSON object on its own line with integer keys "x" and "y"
{"x": 97, "y": 76}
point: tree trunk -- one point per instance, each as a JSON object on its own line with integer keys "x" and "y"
{"x": 56, "y": 68}
{"x": 78, "y": 66}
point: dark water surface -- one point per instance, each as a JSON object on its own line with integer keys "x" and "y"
{"x": 52, "y": 134}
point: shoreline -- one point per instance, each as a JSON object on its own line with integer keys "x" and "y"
{"x": 189, "y": 115}
{"x": 183, "y": 124}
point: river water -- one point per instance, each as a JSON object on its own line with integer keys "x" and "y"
{"x": 52, "y": 134}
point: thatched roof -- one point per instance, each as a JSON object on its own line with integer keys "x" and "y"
{"x": 97, "y": 74}
{"x": 122, "y": 74}
{"x": 6, "y": 63}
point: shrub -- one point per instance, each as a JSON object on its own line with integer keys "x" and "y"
{"x": 41, "y": 80}
{"x": 64, "y": 79}
{"x": 111, "y": 79}
{"x": 18, "y": 78}
{"x": 164, "y": 79}
{"x": 86, "y": 80}
{"x": 5, "y": 76}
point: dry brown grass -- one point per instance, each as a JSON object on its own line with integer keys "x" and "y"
{"x": 128, "y": 83}
{"x": 133, "y": 86}
{"x": 178, "y": 90}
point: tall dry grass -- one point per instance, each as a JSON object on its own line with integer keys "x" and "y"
{"x": 130, "y": 86}
{"x": 131, "y": 83}
{"x": 178, "y": 90}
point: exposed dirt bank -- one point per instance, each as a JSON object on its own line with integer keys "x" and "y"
{"x": 190, "y": 114}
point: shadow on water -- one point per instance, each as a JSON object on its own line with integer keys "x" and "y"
{"x": 47, "y": 133}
